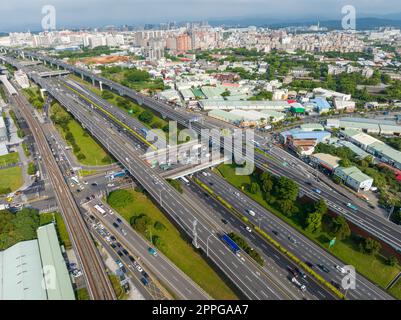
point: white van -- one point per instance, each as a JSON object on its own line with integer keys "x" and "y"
{"x": 251, "y": 213}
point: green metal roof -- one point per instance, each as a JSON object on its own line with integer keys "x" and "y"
{"x": 21, "y": 272}
{"x": 58, "y": 287}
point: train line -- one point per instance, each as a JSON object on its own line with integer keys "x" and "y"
{"x": 98, "y": 283}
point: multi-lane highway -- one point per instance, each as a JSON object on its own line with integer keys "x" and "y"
{"x": 290, "y": 238}
{"x": 247, "y": 277}
{"x": 386, "y": 232}
{"x": 98, "y": 283}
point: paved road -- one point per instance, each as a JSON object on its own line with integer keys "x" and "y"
{"x": 304, "y": 248}
{"x": 98, "y": 284}
{"x": 276, "y": 265}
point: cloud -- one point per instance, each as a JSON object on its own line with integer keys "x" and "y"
{"x": 23, "y": 14}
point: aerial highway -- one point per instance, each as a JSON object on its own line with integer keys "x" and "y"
{"x": 302, "y": 247}
{"x": 249, "y": 280}
{"x": 98, "y": 283}
{"x": 373, "y": 224}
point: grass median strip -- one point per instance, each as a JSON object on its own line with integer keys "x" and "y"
{"x": 274, "y": 243}
{"x": 373, "y": 267}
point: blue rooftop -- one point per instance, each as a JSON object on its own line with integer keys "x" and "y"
{"x": 321, "y": 103}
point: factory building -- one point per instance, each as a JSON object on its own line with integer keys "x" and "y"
{"x": 244, "y": 105}
{"x": 354, "y": 178}
{"x": 35, "y": 269}
{"x": 326, "y": 161}
{"x": 385, "y": 127}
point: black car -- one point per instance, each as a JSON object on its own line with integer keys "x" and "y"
{"x": 115, "y": 225}
{"x": 211, "y": 183}
{"x": 92, "y": 217}
{"x": 119, "y": 253}
{"x": 292, "y": 271}
{"x": 131, "y": 258}
{"x": 275, "y": 232}
{"x": 118, "y": 220}
{"x": 336, "y": 285}
{"x": 125, "y": 252}
{"x": 309, "y": 264}
{"x": 113, "y": 238}
{"x": 300, "y": 272}
{"x": 323, "y": 268}
{"x": 118, "y": 244}
{"x": 94, "y": 184}
{"x": 145, "y": 274}
{"x": 224, "y": 221}
{"x": 113, "y": 245}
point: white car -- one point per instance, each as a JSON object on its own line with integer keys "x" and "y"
{"x": 248, "y": 229}
{"x": 252, "y": 213}
{"x": 139, "y": 268}
{"x": 341, "y": 269}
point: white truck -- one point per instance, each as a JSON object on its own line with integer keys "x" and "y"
{"x": 298, "y": 284}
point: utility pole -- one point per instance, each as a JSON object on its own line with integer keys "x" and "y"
{"x": 195, "y": 234}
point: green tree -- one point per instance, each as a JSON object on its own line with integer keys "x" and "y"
{"x": 370, "y": 246}
{"x": 266, "y": 181}
{"x": 254, "y": 188}
{"x": 392, "y": 261}
{"x": 146, "y": 116}
{"x": 341, "y": 228}
{"x": 141, "y": 223}
{"x": 314, "y": 222}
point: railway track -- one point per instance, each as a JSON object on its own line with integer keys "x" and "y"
{"x": 98, "y": 283}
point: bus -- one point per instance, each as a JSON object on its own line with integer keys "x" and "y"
{"x": 100, "y": 210}
{"x": 185, "y": 180}
{"x": 233, "y": 246}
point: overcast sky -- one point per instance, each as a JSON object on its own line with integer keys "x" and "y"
{"x": 26, "y": 14}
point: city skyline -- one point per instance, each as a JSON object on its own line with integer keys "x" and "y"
{"x": 123, "y": 12}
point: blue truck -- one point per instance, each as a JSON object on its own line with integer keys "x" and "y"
{"x": 233, "y": 246}
{"x": 144, "y": 131}
{"x": 120, "y": 174}
{"x": 352, "y": 206}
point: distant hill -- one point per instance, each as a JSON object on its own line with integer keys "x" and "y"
{"x": 361, "y": 23}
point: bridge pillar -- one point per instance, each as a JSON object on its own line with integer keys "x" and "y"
{"x": 93, "y": 82}
{"x": 82, "y": 76}
{"x": 101, "y": 85}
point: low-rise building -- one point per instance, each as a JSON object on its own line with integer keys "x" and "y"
{"x": 326, "y": 161}
{"x": 354, "y": 178}
{"x": 346, "y": 105}
{"x": 244, "y": 104}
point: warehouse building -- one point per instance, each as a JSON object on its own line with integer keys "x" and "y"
{"x": 326, "y": 161}
{"x": 321, "y": 104}
{"x": 385, "y": 127}
{"x": 244, "y": 105}
{"x": 375, "y": 147}
{"x": 247, "y": 118}
{"x": 354, "y": 178}
{"x": 331, "y": 94}
{"x": 21, "y": 272}
{"x": 319, "y": 136}
{"x": 311, "y": 127}
{"x": 35, "y": 269}
{"x": 59, "y": 287}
